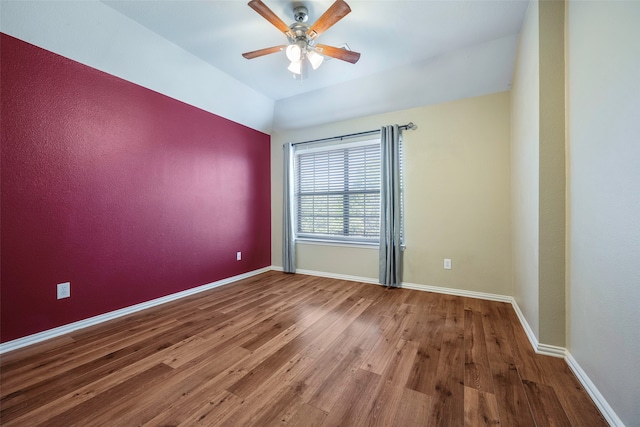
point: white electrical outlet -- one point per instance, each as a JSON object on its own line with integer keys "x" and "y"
{"x": 64, "y": 290}
{"x": 447, "y": 264}
{"x": 238, "y": 256}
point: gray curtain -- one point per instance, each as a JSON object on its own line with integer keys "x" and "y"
{"x": 288, "y": 235}
{"x": 390, "y": 232}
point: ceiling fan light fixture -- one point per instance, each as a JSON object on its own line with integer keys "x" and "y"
{"x": 295, "y": 67}
{"x": 302, "y": 37}
{"x": 295, "y": 52}
{"x": 315, "y": 59}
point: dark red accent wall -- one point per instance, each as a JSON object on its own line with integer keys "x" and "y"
{"x": 126, "y": 193}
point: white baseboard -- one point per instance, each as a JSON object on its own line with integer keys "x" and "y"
{"x": 333, "y": 275}
{"x": 65, "y": 329}
{"x": 457, "y": 292}
{"x": 605, "y": 409}
{"x": 405, "y": 285}
{"x": 544, "y": 349}
{"x": 551, "y": 350}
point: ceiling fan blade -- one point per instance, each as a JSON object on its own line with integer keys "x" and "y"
{"x": 338, "y": 10}
{"x": 262, "y": 52}
{"x": 338, "y": 53}
{"x": 268, "y": 14}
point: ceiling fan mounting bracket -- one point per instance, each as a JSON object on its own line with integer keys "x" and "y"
{"x": 300, "y": 14}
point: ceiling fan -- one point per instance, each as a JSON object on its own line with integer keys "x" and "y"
{"x": 302, "y": 36}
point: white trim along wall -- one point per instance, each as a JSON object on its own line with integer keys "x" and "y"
{"x": 91, "y": 321}
{"x": 539, "y": 348}
{"x": 544, "y": 349}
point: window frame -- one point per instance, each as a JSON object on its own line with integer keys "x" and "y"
{"x": 332, "y": 239}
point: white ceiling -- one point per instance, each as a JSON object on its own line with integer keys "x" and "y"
{"x": 390, "y": 35}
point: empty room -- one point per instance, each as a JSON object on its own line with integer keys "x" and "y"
{"x": 319, "y": 213}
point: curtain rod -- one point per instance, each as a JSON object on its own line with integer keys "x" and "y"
{"x": 408, "y": 126}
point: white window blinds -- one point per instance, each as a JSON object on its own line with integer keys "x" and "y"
{"x": 337, "y": 192}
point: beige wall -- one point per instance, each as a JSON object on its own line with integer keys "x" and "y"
{"x": 552, "y": 178}
{"x": 538, "y": 172}
{"x": 459, "y": 204}
{"x": 603, "y": 105}
{"x": 457, "y": 184}
{"x": 525, "y": 146}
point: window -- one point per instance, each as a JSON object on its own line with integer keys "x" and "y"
{"x": 337, "y": 192}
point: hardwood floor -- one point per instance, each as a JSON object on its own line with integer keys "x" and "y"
{"x": 280, "y": 349}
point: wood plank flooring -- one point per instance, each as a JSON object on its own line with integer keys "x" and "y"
{"x": 279, "y": 349}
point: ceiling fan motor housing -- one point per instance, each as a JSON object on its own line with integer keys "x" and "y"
{"x": 299, "y": 34}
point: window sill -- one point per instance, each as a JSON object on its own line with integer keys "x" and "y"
{"x": 304, "y": 241}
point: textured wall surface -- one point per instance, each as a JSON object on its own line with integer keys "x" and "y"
{"x": 94, "y": 34}
{"x": 125, "y": 193}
